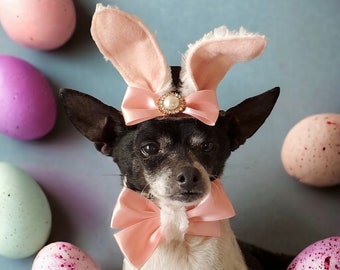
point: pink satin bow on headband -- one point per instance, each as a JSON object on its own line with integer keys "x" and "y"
{"x": 139, "y": 219}
{"x": 140, "y": 105}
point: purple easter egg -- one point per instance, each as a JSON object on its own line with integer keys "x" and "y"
{"x": 321, "y": 255}
{"x": 28, "y": 107}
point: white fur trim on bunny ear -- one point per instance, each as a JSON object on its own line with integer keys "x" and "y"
{"x": 207, "y": 61}
{"x": 128, "y": 43}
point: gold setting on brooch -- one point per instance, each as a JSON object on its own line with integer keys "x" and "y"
{"x": 171, "y": 103}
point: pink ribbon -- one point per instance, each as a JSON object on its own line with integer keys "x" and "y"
{"x": 140, "y": 105}
{"x": 139, "y": 219}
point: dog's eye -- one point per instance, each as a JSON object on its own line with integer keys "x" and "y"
{"x": 207, "y": 146}
{"x": 150, "y": 149}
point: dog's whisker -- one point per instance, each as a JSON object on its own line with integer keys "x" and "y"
{"x": 148, "y": 193}
{"x": 120, "y": 175}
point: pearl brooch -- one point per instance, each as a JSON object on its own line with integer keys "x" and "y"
{"x": 171, "y": 103}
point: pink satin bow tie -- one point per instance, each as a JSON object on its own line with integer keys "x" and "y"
{"x": 141, "y": 104}
{"x": 139, "y": 219}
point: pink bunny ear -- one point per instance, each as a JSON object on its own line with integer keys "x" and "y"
{"x": 130, "y": 46}
{"x": 207, "y": 61}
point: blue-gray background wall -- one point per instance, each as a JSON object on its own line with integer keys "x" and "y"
{"x": 273, "y": 210}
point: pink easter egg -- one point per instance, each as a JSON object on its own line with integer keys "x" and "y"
{"x": 322, "y": 255}
{"x": 311, "y": 150}
{"x": 43, "y": 25}
{"x": 28, "y": 107}
{"x": 63, "y": 256}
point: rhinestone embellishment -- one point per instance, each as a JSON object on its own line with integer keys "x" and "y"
{"x": 171, "y": 103}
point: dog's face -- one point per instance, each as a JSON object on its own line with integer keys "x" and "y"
{"x": 171, "y": 159}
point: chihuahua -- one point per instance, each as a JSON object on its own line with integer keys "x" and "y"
{"x": 174, "y": 157}
{"x": 173, "y": 160}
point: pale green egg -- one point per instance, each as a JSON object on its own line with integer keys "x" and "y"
{"x": 25, "y": 214}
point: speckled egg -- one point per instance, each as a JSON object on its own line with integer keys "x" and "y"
{"x": 25, "y": 215}
{"x": 311, "y": 150}
{"x": 43, "y": 25}
{"x": 322, "y": 255}
{"x": 28, "y": 108}
{"x": 63, "y": 256}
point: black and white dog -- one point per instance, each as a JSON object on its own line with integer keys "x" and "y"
{"x": 172, "y": 159}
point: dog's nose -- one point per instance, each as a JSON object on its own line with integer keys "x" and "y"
{"x": 188, "y": 177}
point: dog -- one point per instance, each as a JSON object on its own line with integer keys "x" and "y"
{"x": 172, "y": 159}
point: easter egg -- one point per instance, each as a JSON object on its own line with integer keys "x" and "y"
{"x": 43, "y": 25}
{"x": 25, "y": 215}
{"x": 311, "y": 150}
{"x": 324, "y": 254}
{"x": 61, "y": 256}
{"x": 28, "y": 107}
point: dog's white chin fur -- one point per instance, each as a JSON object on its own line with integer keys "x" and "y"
{"x": 186, "y": 252}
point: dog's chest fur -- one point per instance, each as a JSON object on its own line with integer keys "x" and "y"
{"x": 185, "y": 252}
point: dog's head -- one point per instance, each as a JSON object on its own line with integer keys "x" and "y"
{"x": 168, "y": 158}
{"x": 172, "y": 157}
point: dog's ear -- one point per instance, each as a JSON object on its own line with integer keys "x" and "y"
{"x": 248, "y": 116}
{"x": 98, "y": 122}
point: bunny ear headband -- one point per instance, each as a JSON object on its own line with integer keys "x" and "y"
{"x": 128, "y": 43}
